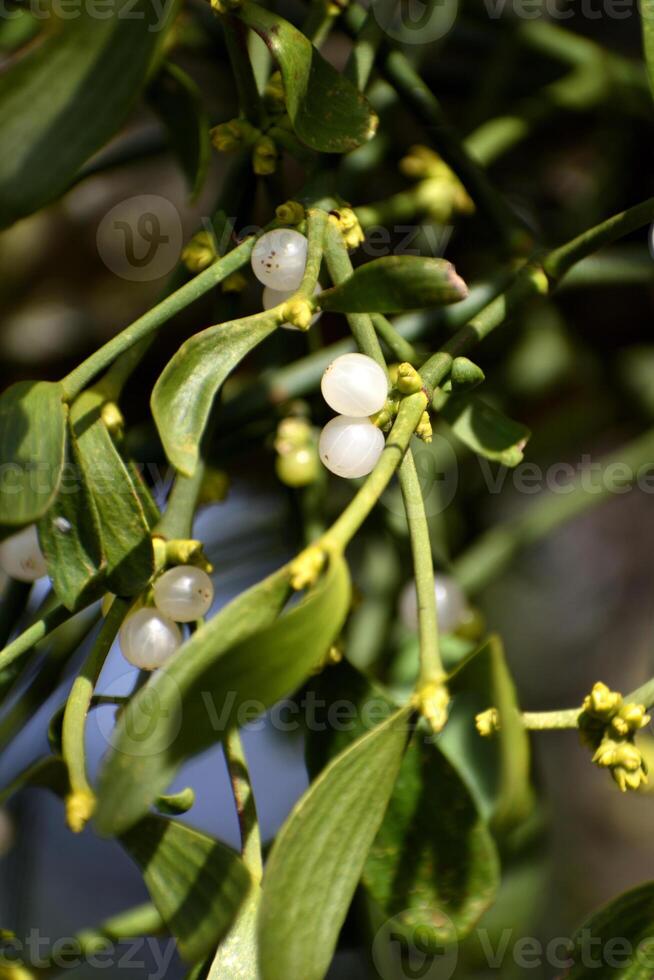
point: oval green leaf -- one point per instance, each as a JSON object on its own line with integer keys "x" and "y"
{"x": 319, "y": 854}
{"x": 647, "y": 14}
{"x": 617, "y": 941}
{"x": 433, "y": 866}
{"x": 183, "y": 395}
{"x": 70, "y": 538}
{"x": 122, "y": 525}
{"x": 394, "y": 284}
{"x": 196, "y": 883}
{"x": 486, "y": 430}
{"x": 233, "y": 668}
{"x": 496, "y": 768}
{"x": 69, "y": 94}
{"x": 326, "y": 110}
{"x": 32, "y": 449}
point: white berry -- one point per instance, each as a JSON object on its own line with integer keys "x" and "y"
{"x": 184, "y": 593}
{"x": 350, "y": 447}
{"x": 279, "y": 258}
{"x": 273, "y": 297}
{"x": 451, "y": 604}
{"x": 355, "y": 385}
{"x": 21, "y": 556}
{"x": 148, "y": 639}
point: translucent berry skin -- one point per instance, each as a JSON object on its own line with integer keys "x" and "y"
{"x": 184, "y": 593}
{"x": 279, "y": 258}
{"x": 149, "y": 639}
{"x": 273, "y": 297}
{"x": 350, "y": 447}
{"x": 451, "y": 604}
{"x": 21, "y": 556}
{"x": 355, "y": 385}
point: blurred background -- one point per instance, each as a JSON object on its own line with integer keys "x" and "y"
{"x": 573, "y": 607}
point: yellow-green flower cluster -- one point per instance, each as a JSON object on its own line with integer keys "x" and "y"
{"x": 440, "y": 193}
{"x": 238, "y": 134}
{"x": 608, "y": 727}
{"x": 351, "y": 230}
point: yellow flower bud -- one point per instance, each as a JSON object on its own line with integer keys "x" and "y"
{"x": 233, "y": 135}
{"x": 235, "y": 282}
{"x": 602, "y": 703}
{"x": 423, "y": 429}
{"x": 408, "y": 380}
{"x": 290, "y": 213}
{"x": 488, "y": 722}
{"x": 306, "y": 568}
{"x": 274, "y": 95}
{"x": 432, "y": 701}
{"x": 113, "y": 419}
{"x": 200, "y": 252}
{"x": 298, "y": 311}
{"x": 79, "y": 809}
{"x": 264, "y": 156}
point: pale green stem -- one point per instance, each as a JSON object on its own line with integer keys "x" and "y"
{"x": 177, "y": 521}
{"x": 81, "y": 696}
{"x": 246, "y": 807}
{"x": 530, "y": 281}
{"x": 33, "y": 635}
{"x": 340, "y": 269}
{"x": 398, "y": 346}
{"x": 431, "y": 665}
{"x": 351, "y": 519}
{"x": 540, "y": 721}
{"x": 80, "y": 377}
{"x": 558, "y": 261}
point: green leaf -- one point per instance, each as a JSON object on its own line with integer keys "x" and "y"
{"x": 496, "y": 768}
{"x": 32, "y": 450}
{"x": 183, "y": 395}
{"x": 394, "y": 284}
{"x": 177, "y": 100}
{"x": 196, "y": 883}
{"x": 433, "y": 866}
{"x": 243, "y": 660}
{"x": 70, "y": 538}
{"x": 68, "y": 95}
{"x": 625, "y": 924}
{"x": 237, "y": 956}
{"x": 326, "y": 110}
{"x": 319, "y": 854}
{"x": 647, "y": 14}
{"x": 123, "y": 528}
{"x": 485, "y": 429}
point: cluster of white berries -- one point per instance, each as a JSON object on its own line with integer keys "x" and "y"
{"x": 21, "y": 556}
{"x": 149, "y": 637}
{"x": 355, "y": 386}
{"x": 278, "y": 261}
{"x": 451, "y": 604}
